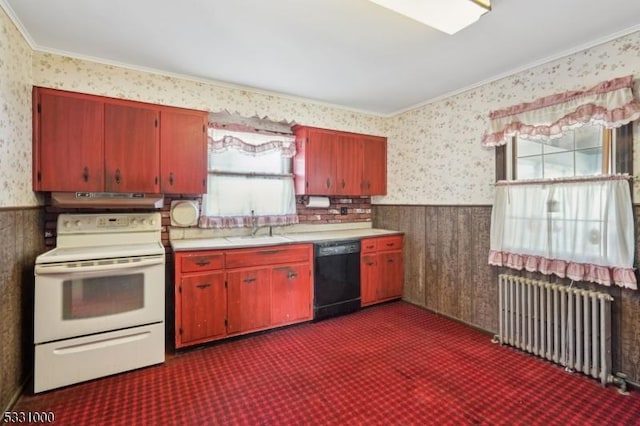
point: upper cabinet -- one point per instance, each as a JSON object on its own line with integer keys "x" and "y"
{"x": 183, "y": 156}
{"x": 92, "y": 143}
{"x": 330, "y": 162}
{"x": 374, "y": 165}
{"x": 68, "y": 136}
{"x": 131, "y": 148}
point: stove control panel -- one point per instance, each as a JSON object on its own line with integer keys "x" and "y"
{"x": 108, "y": 223}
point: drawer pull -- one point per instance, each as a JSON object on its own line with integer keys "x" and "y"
{"x": 370, "y": 263}
{"x": 203, "y": 262}
{"x": 292, "y": 275}
{"x": 249, "y": 279}
{"x": 369, "y": 247}
{"x": 390, "y": 260}
{"x": 203, "y": 286}
{"x": 390, "y": 244}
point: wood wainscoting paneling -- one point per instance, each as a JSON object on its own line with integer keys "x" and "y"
{"x": 446, "y": 249}
{"x": 21, "y": 240}
{"x": 446, "y": 271}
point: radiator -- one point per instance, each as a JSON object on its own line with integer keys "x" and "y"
{"x": 568, "y": 326}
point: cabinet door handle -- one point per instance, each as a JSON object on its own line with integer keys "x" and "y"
{"x": 171, "y": 179}
{"x": 390, "y": 260}
{"x": 203, "y": 286}
{"x": 85, "y": 174}
{"x": 249, "y": 280}
{"x": 203, "y": 262}
{"x": 118, "y": 177}
{"x": 328, "y": 183}
{"x": 291, "y": 275}
{"x": 343, "y": 183}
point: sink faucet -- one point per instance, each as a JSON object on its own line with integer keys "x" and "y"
{"x": 255, "y": 227}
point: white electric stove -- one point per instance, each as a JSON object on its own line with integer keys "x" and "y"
{"x": 99, "y": 298}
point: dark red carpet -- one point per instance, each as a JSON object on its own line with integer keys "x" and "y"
{"x": 390, "y": 364}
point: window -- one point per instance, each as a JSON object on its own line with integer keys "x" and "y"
{"x": 563, "y": 204}
{"x": 563, "y": 219}
{"x": 580, "y": 152}
{"x": 250, "y": 180}
{"x": 585, "y": 151}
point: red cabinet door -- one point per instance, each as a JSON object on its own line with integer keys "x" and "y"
{"x": 249, "y": 300}
{"x": 183, "y": 151}
{"x": 374, "y": 166}
{"x": 203, "y": 307}
{"x": 349, "y": 165}
{"x": 132, "y": 149}
{"x": 68, "y": 142}
{"x": 391, "y": 274}
{"x": 369, "y": 279}
{"x": 290, "y": 294}
{"x": 320, "y": 154}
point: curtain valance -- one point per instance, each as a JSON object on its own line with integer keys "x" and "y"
{"x": 610, "y": 104}
{"x": 253, "y": 143}
{"x": 579, "y": 228}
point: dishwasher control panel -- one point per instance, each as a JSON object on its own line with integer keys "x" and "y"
{"x": 333, "y": 248}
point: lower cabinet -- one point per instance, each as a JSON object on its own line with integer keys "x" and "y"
{"x": 222, "y": 293}
{"x": 203, "y": 294}
{"x": 381, "y": 269}
{"x": 291, "y": 294}
{"x": 248, "y": 300}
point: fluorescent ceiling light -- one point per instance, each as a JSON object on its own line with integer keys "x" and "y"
{"x": 449, "y": 16}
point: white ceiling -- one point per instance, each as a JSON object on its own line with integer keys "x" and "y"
{"x": 350, "y": 53}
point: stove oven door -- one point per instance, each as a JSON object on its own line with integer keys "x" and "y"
{"x": 75, "y": 299}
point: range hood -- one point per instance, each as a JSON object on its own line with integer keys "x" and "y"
{"x": 107, "y": 200}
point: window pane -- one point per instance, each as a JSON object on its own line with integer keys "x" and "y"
{"x": 529, "y": 167}
{"x": 239, "y": 195}
{"x": 558, "y": 165}
{"x": 528, "y": 147}
{"x": 589, "y": 162}
{"x": 244, "y": 162}
{"x": 561, "y": 144}
{"x": 588, "y": 137}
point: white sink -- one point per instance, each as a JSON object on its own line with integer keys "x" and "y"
{"x": 248, "y": 240}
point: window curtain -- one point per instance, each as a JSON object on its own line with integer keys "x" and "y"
{"x": 250, "y": 181}
{"x": 255, "y": 144}
{"x": 610, "y": 104}
{"x": 578, "y": 228}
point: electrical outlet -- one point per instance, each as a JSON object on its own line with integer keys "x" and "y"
{"x": 343, "y": 210}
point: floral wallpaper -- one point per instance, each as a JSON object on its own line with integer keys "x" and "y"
{"x": 77, "y": 75}
{"x": 15, "y": 117}
{"x": 434, "y": 152}
{"x": 435, "y": 155}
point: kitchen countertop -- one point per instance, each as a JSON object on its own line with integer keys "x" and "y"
{"x": 266, "y": 240}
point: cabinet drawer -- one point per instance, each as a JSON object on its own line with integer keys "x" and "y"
{"x": 242, "y": 258}
{"x": 390, "y": 243}
{"x": 202, "y": 262}
{"x": 368, "y": 245}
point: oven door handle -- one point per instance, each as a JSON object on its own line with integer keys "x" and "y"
{"x": 77, "y": 267}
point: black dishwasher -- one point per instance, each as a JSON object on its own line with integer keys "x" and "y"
{"x": 336, "y": 278}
